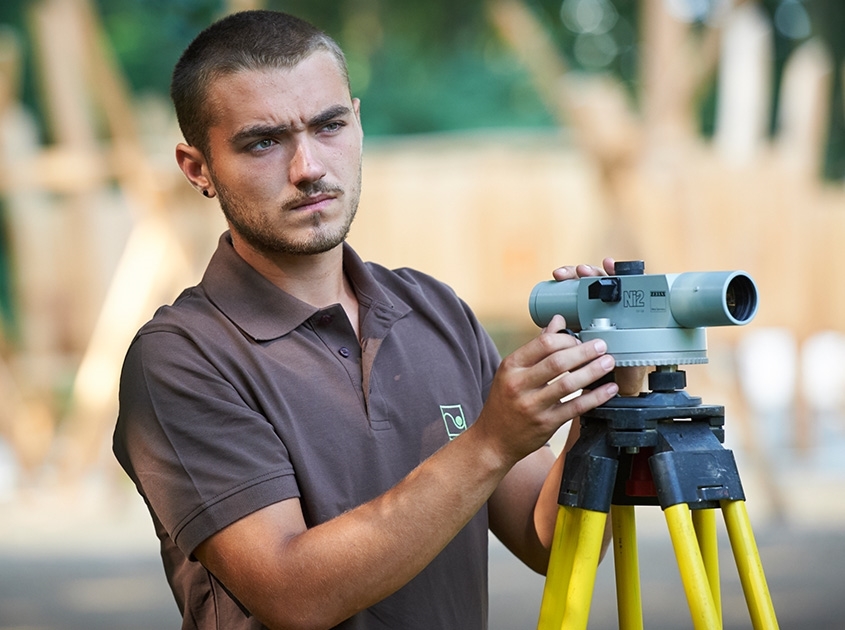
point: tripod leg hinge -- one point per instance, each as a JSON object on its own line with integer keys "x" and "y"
{"x": 692, "y": 467}
{"x": 589, "y": 473}
{"x": 592, "y": 488}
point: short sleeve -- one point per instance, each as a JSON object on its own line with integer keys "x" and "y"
{"x": 197, "y": 452}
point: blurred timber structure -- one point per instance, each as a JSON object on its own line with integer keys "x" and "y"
{"x": 103, "y": 228}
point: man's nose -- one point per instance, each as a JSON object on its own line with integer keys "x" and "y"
{"x": 306, "y": 165}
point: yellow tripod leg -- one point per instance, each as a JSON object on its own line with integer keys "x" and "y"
{"x": 571, "y": 578}
{"x": 560, "y": 569}
{"x": 691, "y": 566}
{"x": 749, "y": 566}
{"x": 581, "y": 585}
{"x": 626, "y": 564}
{"x": 704, "y": 522}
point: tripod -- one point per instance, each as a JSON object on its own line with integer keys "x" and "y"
{"x": 636, "y": 451}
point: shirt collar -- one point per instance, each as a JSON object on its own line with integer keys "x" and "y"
{"x": 264, "y": 311}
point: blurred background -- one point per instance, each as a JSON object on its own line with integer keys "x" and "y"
{"x": 503, "y": 139}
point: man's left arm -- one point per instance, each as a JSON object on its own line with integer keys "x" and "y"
{"x": 523, "y": 509}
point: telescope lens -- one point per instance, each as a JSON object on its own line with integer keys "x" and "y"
{"x": 741, "y": 298}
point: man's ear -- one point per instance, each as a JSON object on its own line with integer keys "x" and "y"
{"x": 195, "y": 167}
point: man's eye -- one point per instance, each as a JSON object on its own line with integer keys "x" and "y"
{"x": 332, "y": 126}
{"x": 263, "y": 144}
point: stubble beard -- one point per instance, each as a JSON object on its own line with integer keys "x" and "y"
{"x": 259, "y": 232}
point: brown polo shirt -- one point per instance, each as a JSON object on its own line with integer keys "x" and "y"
{"x": 239, "y": 395}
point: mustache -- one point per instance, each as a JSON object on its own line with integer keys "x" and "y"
{"x": 309, "y": 190}
{"x": 312, "y": 189}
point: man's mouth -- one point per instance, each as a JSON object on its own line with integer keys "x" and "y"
{"x": 313, "y": 203}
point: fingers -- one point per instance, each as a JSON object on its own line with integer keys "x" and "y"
{"x": 592, "y": 364}
{"x": 557, "y": 365}
{"x": 531, "y": 396}
{"x": 629, "y": 380}
{"x": 556, "y": 325}
{"x": 573, "y": 272}
{"x": 552, "y": 339}
{"x": 564, "y": 273}
{"x": 585, "y": 364}
{"x": 589, "y": 399}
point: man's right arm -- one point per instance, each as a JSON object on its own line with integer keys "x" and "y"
{"x": 290, "y": 576}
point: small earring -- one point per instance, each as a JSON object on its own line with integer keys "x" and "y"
{"x": 205, "y": 193}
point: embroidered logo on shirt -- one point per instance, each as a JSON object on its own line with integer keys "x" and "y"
{"x": 454, "y": 419}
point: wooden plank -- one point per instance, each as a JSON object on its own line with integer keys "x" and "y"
{"x": 745, "y": 80}
{"x": 61, "y": 53}
{"x": 804, "y": 110}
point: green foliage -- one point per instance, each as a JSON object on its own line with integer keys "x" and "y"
{"x": 418, "y": 67}
{"x": 438, "y": 65}
{"x": 149, "y": 35}
{"x": 422, "y": 67}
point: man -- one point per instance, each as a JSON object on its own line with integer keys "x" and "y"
{"x": 323, "y": 442}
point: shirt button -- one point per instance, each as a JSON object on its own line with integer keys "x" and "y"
{"x": 325, "y": 320}
{"x": 344, "y": 352}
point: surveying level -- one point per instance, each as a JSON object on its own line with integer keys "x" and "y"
{"x": 663, "y": 447}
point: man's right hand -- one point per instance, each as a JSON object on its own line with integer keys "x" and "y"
{"x": 531, "y": 394}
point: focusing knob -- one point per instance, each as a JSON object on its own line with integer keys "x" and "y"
{"x": 606, "y": 290}
{"x": 630, "y": 268}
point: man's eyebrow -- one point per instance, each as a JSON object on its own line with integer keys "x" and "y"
{"x": 337, "y": 111}
{"x": 258, "y": 131}
{"x": 262, "y": 131}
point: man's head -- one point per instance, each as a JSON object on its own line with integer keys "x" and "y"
{"x": 272, "y": 130}
{"x": 249, "y": 40}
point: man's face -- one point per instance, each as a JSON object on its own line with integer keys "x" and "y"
{"x": 285, "y": 155}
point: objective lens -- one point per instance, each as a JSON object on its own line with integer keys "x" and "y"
{"x": 741, "y": 298}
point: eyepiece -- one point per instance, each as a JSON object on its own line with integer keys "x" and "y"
{"x": 550, "y": 297}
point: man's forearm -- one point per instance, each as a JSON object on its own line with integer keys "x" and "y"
{"x": 364, "y": 555}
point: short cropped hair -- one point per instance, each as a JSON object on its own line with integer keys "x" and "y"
{"x": 247, "y": 40}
